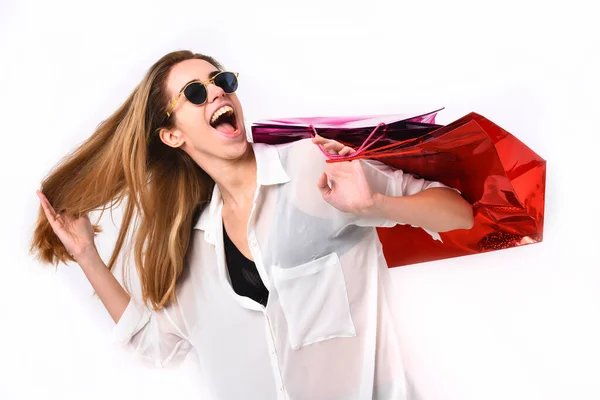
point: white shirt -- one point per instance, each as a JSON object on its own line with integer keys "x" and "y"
{"x": 328, "y": 331}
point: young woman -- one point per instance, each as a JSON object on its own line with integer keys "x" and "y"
{"x": 263, "y": 259}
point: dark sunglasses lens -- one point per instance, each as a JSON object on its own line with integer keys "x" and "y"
{"x": 195, "y": 93}
{"x": 227, "y": 81}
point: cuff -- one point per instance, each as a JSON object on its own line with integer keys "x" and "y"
{"x": 133, "y": 319}
{"x": 441, "y": 185}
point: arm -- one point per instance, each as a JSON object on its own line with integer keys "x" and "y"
{"x": 382, "y": 196}
{"x": 435, "y": 209}
{"x": 159, "y": 337}
{"x": 77, "y": 235}
{"x": 110, "y": 291}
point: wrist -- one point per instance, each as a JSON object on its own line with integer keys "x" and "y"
{"x": 376, "y": 207}
{"x": 87, "y": 256}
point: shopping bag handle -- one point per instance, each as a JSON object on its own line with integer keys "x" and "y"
{"x": 358, "y": 151}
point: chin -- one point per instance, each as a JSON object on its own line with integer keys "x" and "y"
{"x": 236, "y": 149}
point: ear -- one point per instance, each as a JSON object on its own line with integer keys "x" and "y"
{"x": 171, "y": 137}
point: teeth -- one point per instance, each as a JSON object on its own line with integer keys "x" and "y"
{"x": 219, "y": 112}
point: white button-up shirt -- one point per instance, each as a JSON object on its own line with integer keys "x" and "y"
{"x": 328, "y": 330}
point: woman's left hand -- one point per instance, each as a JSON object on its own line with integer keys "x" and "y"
{"x": 349, "y": 191}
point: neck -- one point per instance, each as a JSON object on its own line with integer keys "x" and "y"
{"x": 236, "y": 179}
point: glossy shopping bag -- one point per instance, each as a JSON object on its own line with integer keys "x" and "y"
{"x": 499, "y": 175}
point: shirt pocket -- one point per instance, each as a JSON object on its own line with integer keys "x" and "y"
{"x": 314, "y": 300}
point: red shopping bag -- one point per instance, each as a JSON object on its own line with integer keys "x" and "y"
{"x": 500, "y": 176}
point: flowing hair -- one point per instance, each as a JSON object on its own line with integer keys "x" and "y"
{"x": 165, "y": 190}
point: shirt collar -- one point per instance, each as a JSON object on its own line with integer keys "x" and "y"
{"x": 269, "y": 171}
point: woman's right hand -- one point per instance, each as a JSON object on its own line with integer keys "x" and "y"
{"x": 76, "y": 234}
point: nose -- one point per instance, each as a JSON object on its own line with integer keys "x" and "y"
{"x": 214, "y": 92}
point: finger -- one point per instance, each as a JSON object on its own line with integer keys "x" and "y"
{"x": 327, "y": 143}
{"x": 48, "y": 210}
{"x": 319, "y": 139}
{"x": 346, "y": 150}
{"x": 323, "y": 185}
{"x": 333, "y": 145}
{"x": 329, "y": 150}
{"x": 54, "y": 218}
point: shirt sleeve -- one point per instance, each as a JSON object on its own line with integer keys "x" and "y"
{"x": 157, "y": 338}
{"x": 394, "y": 182}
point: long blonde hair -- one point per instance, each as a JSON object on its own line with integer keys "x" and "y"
{"x": 164, "y": 188}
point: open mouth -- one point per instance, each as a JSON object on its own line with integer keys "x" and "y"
{"x": 224, "y": 120}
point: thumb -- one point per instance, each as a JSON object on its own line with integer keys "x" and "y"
{"x": 323, "y": 185}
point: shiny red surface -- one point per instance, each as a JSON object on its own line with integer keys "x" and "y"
{"x": 501, "y": 177}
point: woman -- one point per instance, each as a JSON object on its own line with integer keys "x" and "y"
{"x": 263, "y": 259}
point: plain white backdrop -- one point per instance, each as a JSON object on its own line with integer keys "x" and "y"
{"x": 513, "y": 324}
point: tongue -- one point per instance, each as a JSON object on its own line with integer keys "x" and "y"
{"x": 226, "y": 128}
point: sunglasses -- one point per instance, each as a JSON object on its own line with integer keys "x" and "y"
{"x": 197, "y": 91}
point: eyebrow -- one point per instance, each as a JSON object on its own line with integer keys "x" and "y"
{"x": 211, "y": 75}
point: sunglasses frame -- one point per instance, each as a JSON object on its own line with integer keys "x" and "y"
{"x": 203, "y": 83}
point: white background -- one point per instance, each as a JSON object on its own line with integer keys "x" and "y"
{"x": 515, "y": 324}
